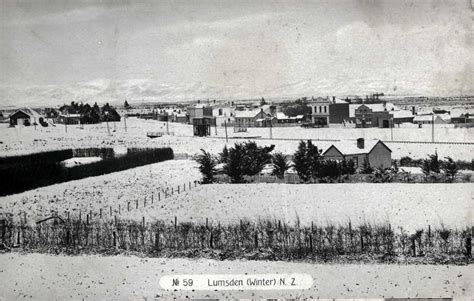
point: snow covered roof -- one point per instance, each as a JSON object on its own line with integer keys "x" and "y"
{"x": 70, "y": 115}
{"x": 444, "y": 117}
{"x": 246, "y": 113}
{"x": 350, "y": 147}
{"x": 28, "y": 111}
{"x": 281, "y": 115}
{"x": 402, "y": 114}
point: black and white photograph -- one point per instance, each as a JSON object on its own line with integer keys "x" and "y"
{"x": 219, "y": 149}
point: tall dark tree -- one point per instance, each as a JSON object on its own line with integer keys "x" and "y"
{"x": 224, "y": 155}
{"x": 300, "y": 162}
{"x": 207, "y": 167}
{"x": 281, "y": 164}
{"x": 450, "y": 168}
{"x": 246, "y": 159}
{"x": 126, "y": 105}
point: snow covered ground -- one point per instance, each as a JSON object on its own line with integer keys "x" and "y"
{"x": 103, "y": 191}
{"x": 405, "y": 205}
{"x": 28, "y": 140}
{"x": 130, "y": 277}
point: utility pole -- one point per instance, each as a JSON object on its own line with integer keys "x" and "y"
{"x": 271, "y": 134}
{"x": 125, "y": 121}
{"x": 391, "y": 128}
{"x": 225, "y": 125}
{"x": 432, "y": 128}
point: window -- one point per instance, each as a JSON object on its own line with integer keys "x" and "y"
{"x": 325, "y": 109}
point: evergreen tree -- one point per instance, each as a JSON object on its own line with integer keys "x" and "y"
{"x": 126, "y": 105}
{"x": 435, "y": 165}
{"x": 280, "y": 164}
{"x": 300, "y": 162}
{"x": 224, "y": 155}
{"x": 207, "y": 167}
{"x": 450, "y": 168}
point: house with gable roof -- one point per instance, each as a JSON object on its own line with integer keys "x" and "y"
{"x": 375, "y": 152}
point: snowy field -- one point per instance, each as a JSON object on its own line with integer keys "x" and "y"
{"x": 95, "y": 277}
{"x": 405, "y": 205}
{"x": 28, "y": 140}
{"x": 103, "y": 191}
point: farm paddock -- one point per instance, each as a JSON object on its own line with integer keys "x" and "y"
{"x": 98, "y": 277}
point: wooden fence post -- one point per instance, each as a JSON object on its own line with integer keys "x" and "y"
{"x": 110, "y": 210}
{"x": 152, "y": 197}
{"x": 144, "y": 202}
{"x": 100, "y": 213}
{"x": 159, "y": 196}
{"x": 184, "y": 187}
{"x": 207, "y": 224}
{"x": 143, "y": 221}
{"x": 115, "y": 220}
{"x": 120, "y": 211}
{"x": 175, "y": 222}
{"x": 87, "y": 219}
{"x": 136, "y": 202}
{"x": 178, "y": 189}
{"x": 115, "y": 239}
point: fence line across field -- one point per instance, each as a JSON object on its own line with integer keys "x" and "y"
{"x": 102, "y": 212}
{"x": 284, "y": 240}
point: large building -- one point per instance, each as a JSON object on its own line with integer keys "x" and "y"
{"x": 373, "y": 115}
{"x": 338, "y": 111}
{"x": 375, "y": 152}
{"x": 319, "y": 111}
{"x": 199, "y": 111}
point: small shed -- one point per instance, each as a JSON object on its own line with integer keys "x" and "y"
{"x": 25, "y": 117}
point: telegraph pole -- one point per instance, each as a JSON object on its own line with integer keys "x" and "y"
{"x": 225, "y": 125}
{"x": 391, "y": 128}
{"x": 125, "y": 121}
{"x": 432, "y": 128}
{"x": 271, "y": 134}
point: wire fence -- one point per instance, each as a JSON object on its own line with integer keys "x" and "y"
{"x": 283, "y": 240}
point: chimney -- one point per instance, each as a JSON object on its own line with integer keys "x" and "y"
{"x": 334, "y": 99}
{"x": 360, "y": 143}
{"x": 413, "y": 111}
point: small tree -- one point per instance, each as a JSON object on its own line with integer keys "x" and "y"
{"x": 435, "y": 164}
{"x": 224, "y": 155}
{"x": 207, "y": 166}
{"x": 126, "y": 105}
{"x": 280, "y": 164}
{"x": 450, "y": 168}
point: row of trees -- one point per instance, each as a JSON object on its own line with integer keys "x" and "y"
{"x": 91, "y": 114}
{"x": 248, "y": 159}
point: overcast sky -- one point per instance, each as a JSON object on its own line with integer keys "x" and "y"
{"x": 198, "y": 49}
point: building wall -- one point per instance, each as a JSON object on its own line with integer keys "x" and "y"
{"x": 338, "y": 112}
{"x": 380, "y": 156}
